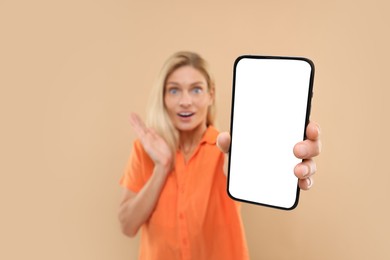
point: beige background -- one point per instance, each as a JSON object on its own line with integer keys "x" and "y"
{"x": 72, "y": 71}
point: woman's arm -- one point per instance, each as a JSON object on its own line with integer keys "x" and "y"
{"x": 136, "y": 208}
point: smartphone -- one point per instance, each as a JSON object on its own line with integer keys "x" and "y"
{"x": 271, "y": 103}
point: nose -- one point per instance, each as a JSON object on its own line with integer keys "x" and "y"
{"x": 185, "y": 99}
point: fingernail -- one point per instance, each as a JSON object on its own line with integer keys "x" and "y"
{"x": 308, "y": 181}
{"x": 318, "y": 129}
{"x": 305, "y": 171}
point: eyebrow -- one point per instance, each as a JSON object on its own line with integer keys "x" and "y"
{"x": 195, "y": 83}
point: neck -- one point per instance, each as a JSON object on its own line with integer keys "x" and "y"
{"x": 190, "y": 139}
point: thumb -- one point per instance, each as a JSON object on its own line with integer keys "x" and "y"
{"x": 223, "y": 142}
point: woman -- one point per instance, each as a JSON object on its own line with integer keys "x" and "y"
{"x": 175, "y": 181}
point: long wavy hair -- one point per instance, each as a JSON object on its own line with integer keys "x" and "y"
{"x": 157, "y": 116}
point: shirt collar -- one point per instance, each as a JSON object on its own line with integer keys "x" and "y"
{"x": 210, "y": 136}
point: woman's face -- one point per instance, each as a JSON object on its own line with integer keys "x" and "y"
{"x": 187, "y": 98}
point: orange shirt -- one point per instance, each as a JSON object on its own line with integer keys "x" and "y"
{"x": 194, "y": 217}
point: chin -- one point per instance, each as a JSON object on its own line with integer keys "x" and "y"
{"x": 187, "y": 127}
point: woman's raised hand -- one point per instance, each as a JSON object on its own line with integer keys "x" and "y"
{"x": 154, "y": 145}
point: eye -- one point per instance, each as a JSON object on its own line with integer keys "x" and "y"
{"x": 197, "y": 90}
{"x": 173, "y": 91}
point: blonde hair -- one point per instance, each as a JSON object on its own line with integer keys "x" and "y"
{"x": 157, "y": 115}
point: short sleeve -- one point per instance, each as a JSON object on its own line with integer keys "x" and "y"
{"x": 138, "y": 170}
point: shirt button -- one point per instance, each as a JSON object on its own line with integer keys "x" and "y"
{"x": 184, "y": 241}
{"x": 181, "y": 216}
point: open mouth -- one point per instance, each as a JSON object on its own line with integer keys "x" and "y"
{"x": 185, "y": 114}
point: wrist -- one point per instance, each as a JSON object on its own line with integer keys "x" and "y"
{"x": 164, "y": 167}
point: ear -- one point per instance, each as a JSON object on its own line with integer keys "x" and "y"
{"x": 212, "y": 95}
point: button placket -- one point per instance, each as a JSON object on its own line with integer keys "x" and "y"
{"x": 184, "y": 240}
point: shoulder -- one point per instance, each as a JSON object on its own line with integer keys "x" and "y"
{"x": 138, "y": 146}
{"x": 210, "y": 136}
{"x": 140, "y": 153}
{"x": 209, "y": 146}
